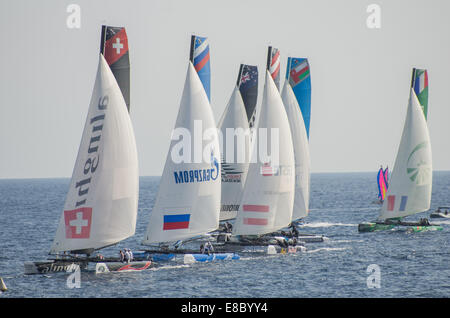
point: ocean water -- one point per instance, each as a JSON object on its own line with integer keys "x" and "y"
{"x": 410, "y": 264}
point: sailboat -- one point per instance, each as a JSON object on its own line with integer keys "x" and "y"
{"x": 101, "y": 205}
{"x": 187, "y": 205}
{"x": 409, "y": 190}
{"x": 268, "y": 197}
{"x": 235, "y": 129}
{"x": 382, "y": 184}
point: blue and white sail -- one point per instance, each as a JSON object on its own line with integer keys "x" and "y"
{"x": 199, "y": 56}
{"x": 301, "y": 148}
{"x": 299, "y": 76}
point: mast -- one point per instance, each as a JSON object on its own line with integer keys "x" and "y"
{"x": 114, "y": 47}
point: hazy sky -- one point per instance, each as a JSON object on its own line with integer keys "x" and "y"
{"x": 360, "y": 76}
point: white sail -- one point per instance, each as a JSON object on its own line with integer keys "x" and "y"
{"x": 101, "y": 204}
{"x": 235, "y": 154}
{"x": 268, "y": 197}
{"x": 301, "y": 152}
{"x": 409, "y": 189}
{"x": 188, "y": 200}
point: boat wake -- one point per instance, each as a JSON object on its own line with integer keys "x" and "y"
{"x": 327, "y": 249}
{"x": 326, "y": 224}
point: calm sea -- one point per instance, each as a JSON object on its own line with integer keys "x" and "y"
{"x": 409, "y": 265}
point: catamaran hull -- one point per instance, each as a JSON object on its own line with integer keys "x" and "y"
{"x": 107, "y": 267}
{"x": 192, "y": 258}
{"x": 373, "y": 227}
{"x": 52, "y": 266}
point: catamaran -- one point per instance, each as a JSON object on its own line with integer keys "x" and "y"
{"x": 101, "y": 205}
{"x": 187, "y": 205}
{"x": 268, "y": 196}
{"x": 409, "y": 190}
{"x": 235, "y": 125}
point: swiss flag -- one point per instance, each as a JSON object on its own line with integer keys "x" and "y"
{"x": 116, "y": 47}
{"x": 78, "y": 223}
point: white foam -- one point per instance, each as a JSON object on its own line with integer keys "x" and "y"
{"x": 326, "y": 224}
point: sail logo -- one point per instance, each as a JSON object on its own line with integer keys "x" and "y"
{"x": 273, "y": 170}
{"x": 176, "y": 221}
{"x": 245, "y": 78}
{"x": 116, "y": 46}
{"x": 392, "y": 200}
{"x": 78, "y": 223}
{"x": 198, "y": 175}
{"x": 92, "y": 162}
{"x": 417, "y": 168}
{"x": 256, "y": 219}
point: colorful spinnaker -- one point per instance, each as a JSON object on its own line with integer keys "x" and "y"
{"x": 419, "y": 83}
{"x": 298, "y": 74}
{"x": 199, "y": 56}
{"x": 382, "y": 185}
{"x": 114, "y": 47}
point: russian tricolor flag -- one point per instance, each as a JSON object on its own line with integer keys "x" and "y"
{"x": 176, "y": 221}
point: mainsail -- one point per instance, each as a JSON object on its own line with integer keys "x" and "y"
{"x": 411, "y": 180}
{"x": 188, "y": 200}
{"x": 199, "y": 56}
{"x": 301, "y": 150}
{"x": 298, "y": 73}
{"x": 247, "y": 82}
{"x": 235, "y": 154}
{"x": 101, "y": 204}
{"x": 268, "y": 197}
{"x": 114, "y": 47}
{"x": 273, "y": 65}
{"x": 419, "y": 83}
